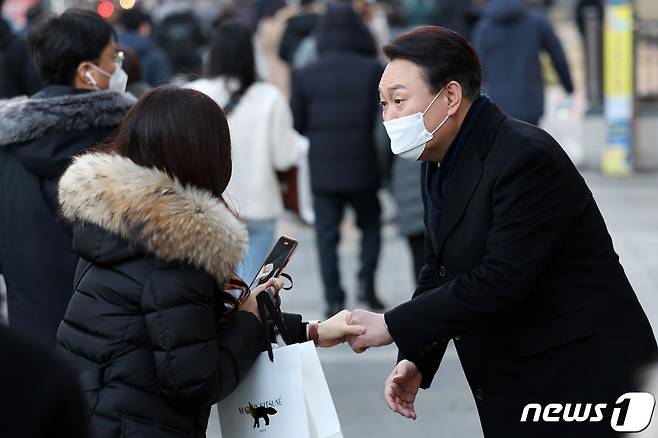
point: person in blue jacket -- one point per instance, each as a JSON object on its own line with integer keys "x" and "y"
{"x": 509, "y": 39}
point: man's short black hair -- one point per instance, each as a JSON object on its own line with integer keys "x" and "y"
{"x": 443, "y": 55}
{"x": 131, "y": 19}
{"x": 60, "y": 43}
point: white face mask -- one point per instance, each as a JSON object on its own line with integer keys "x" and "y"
{"x": 118, "y": 79}
{"x": 408, "y": 134}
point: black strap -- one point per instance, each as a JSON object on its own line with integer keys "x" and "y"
{"x": 272, "y": 321}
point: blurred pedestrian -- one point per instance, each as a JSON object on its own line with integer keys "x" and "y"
{"x": 263, "y": 138}
{"x": 373, "y": 16}
{"x": 34, "y": 13}
{"x": 403, "y": 178}
{"x": 405, "y": 185}
{"x": 581, "y": 19}
{"x": 267, "y": 41}
{"x": 133, "y": 68}
{"x": 587, "y": 10}
{"x": 454, "y": 15}
{"x": 153, "y": 327}
{"x": 18, "y": 75}
{"x": 80, "y": 106}
{"x": 298, "y": 27}
{"x": 264, "y": 9}
{"x": 509, "y": 39}
{"x": 137, "y": 35}
{"x": 177, "y": 30}
{"x": 420, "y": 12}
{"x": 40, "y": 395}
{"x": 334, "y": 102}
{"x": 457, "y": 15}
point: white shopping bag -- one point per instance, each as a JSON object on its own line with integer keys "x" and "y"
{"x": 285, "y": 399}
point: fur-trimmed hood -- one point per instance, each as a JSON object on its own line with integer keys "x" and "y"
{"x": 23, "y": 119}
{"x": 152, "y": 209}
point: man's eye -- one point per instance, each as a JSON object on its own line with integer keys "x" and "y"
{"x": 398, "y": 101}
{"x": 383, "y": 104}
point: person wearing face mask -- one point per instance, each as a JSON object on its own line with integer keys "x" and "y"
{"x": 520, "y": 269}
{"x": 81, "y": 105}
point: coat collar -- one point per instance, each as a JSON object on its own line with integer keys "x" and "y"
{"x": 59, "y": 109}
{"x": 150, "y": 208}
{"x": 467, "y": 170}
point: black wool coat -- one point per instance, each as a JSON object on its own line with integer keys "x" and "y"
{"x": 522, "y": 274}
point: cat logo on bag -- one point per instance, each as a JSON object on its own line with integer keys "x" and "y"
{"x": 261, "y": 411}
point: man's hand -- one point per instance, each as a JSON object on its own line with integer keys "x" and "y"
{"x": 401, "y": 388}
{"x": 376, "y": 334}
{"x": 336, "y": 329}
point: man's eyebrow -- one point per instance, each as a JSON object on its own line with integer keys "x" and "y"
{"x": 394, "y": 87}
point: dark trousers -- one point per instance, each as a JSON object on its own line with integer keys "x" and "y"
{"x": 417, "y": 247}
{"x": 329, "y": 210}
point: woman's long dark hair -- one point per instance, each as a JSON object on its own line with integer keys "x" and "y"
{"x": 232, "y": 54}
{"x": 184, "y": 133}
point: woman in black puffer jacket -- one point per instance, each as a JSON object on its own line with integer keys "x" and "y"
{"x": 148, "y": 326}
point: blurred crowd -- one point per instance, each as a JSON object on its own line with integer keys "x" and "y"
{"x": 306, "y": 75}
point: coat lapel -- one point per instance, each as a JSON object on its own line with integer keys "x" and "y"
{"x": 463, "y": 182}
{"x": 467, "y": 173}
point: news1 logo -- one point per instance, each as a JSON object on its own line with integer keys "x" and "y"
{"x": 631, "y": 413}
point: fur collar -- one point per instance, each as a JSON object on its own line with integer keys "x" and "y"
{"x": 24, "y": 119}
{"x": 147, "y": 206}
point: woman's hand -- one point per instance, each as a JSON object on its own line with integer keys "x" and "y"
{"x": 251, "y": 305}
{"x": 335, "y": 330}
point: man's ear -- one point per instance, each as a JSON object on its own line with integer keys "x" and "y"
{"x": 84, "y": 74}
{"x": 454, "y": 94}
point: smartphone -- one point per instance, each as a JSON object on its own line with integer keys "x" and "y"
{"x": 278, "y": 257}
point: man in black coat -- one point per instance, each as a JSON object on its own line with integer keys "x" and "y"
{"x": 520, "y": 269}
{"x": 40, "y": 394}
{"x": 38, "y": 137}
{"x": 334, "y": 104}
{"x": 18, "y": 76}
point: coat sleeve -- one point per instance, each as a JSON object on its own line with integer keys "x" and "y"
{"x": 287, "y": 146}
{"x": 296, "y": 328}
{"x": 532, "y": 210}
{"x": 298, "y": 102}
{"x": 196, "y": 361}
{"x": 427, "y": 364}
{"x": 552, "y": 45}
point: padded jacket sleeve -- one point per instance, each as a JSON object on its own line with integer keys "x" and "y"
{"x": 196, "y": 361}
